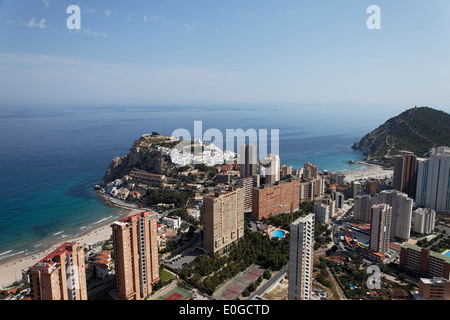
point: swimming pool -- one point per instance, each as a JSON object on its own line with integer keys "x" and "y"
{"x": 277, "y": 234}
{"x": 447, "y": 253}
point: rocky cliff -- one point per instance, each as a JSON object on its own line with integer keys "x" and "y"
{"x": 416, "y": 130}
{"x": 143, "y": 155}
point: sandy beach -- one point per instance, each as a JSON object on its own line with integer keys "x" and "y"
{"x": 11, "y": 270}
{"x": 372, "y": 171}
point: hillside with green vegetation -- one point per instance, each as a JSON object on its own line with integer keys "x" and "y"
{"x": 416, "y": 130}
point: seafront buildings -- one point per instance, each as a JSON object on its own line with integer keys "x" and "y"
{"x": 60, "y": 275}
{"x": 433, "y": 176}
{"x": 224, "y": 219}
{"x": 301, "y": 251}
{"x": 135, "y": 255}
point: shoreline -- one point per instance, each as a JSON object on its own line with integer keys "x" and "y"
{"x": 11, "y": 267}
{"x": 374, "y": 171}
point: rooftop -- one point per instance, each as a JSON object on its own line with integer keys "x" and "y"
{"x": 432, "y": 253}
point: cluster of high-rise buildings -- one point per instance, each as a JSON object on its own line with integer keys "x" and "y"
{"x": 61, "y": 275}
{"x": 426, "y": 180}
{"x": 421, "y": 186}
{"x": 266, "y": 188}
{"x": 224, "y": 211}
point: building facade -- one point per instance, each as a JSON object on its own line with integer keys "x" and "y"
{"x": 425, "y": 262}
{"x": 401, "y": 206}
{"x": 405, "y": 173}
{"x": 136, "y": 255}
{"x": 273, "y": 199}
{"x": 423, "y": 220}
{"x": 435, "y": 288}
{"x": 248, "y": 160}
{"x": 60, "y": 275}
{"x": 224, "y": 219}
{"x": 270, "y": 167}
{"x": 362, "y": 208}
{"x": 247, "y": 184}
{"x": 380, "y": 228}
{"x": 321, "y": 212}
{"x": 433, "y": 181}
{"x": 301, "y": 252}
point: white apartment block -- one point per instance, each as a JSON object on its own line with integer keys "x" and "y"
{"x": 301, "y": 254}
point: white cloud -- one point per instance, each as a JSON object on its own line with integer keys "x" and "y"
{"x": 108, "y": 12}
{"x": 47, "y": 3}
{"x": 190, "y": 26}
{"x": 32, "y": 23}
{"x": 145, "y": 19}
{"x": 94, "y": 33}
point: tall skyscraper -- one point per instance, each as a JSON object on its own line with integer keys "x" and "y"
{"x": 401, "y": 206}
{"x": 433, "y": 181}
{"x": 301, "y": 252}
{"x": 270, "y": 168}
{"x": 362, "y": 208}
{"x": 224, "y": 219}
{"x": 248, "y": 160}
{"x": 405, "y": 173}
{"x": 380, "y": 228}
{"x": 60, "y": 275}
{"x": 136, "y": 255}
{"x": 247, "y": 184}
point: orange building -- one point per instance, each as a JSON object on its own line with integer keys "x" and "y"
{"x": 136, "y": 255}
{"x": 60, "y": 275}
{"x": 273, "y": 199}
{"x": 224, "y": 219}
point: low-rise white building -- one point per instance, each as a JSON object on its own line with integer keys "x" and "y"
{"x": 173, "y": 222}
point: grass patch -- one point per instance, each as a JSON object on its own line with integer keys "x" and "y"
{"x": 165, "y": 275}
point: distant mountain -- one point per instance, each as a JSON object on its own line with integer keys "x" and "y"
{"x": 416, "y": 130}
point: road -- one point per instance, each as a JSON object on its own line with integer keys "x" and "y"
{"x": 275, "y": 278}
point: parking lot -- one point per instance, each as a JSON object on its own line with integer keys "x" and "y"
{"x": 182, "y": 259}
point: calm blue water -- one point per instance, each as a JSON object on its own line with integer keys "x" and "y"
{"x": 51, "y": 157}
{"x": 447, "y": 254}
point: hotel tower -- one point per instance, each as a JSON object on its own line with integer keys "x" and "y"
{"x": 136, "y": 255}
{"x": 301, "y": 253}
{"x": 60, "y": 275}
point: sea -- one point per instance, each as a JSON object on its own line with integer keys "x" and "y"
{"x": 51, "y": 157}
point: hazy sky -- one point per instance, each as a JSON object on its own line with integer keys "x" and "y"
{"x": 216, "y": 52}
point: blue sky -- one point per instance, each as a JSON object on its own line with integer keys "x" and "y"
{"x": 219, "y": 52}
